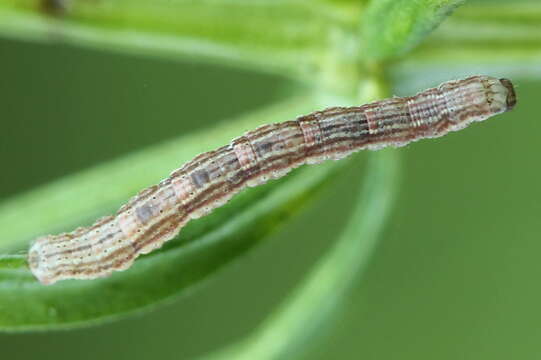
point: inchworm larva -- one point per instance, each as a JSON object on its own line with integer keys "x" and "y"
{"x": 157, "y": 213}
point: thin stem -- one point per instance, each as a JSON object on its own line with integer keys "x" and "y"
{"x": 324, "y": 288}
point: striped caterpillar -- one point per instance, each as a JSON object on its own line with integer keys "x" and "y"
{"x": 157, "y": 213}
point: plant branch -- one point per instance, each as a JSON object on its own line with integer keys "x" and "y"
{"x": 279, "y": 36}
{"x": 504, "y": 38}
{"x": 319, "y": 297}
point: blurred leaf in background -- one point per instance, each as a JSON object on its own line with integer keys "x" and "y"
{"x": 102, "y": 98}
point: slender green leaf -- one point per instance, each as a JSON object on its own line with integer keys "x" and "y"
{"x": 25, "y": 304}
{"x": 503, "y": 38}
{"x": 282, "y": 35}
{"x": 393, "y": 27}
{"x": 513, "y": 26}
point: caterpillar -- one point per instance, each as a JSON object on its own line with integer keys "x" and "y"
{"x": 156, "y": 214}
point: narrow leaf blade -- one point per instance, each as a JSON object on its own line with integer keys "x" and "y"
{"x": 217, "y": 240}
{"x": 267, "y": 35}
{"x": 496, "y": 38}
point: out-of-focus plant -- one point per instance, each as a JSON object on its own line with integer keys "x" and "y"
{"x": 344, "y": 51}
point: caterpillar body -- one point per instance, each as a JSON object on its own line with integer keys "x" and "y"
{"x": 157, "y": 213}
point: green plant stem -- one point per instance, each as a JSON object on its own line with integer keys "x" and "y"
{"x": 288, "y": 37}
{"x": 321, "y": 293}
{"x": 504, "y": 38}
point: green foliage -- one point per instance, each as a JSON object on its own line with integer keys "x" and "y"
{"x": 331, "y": 45}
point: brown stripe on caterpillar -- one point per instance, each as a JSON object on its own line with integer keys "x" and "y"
{"x": 156, "y": 214}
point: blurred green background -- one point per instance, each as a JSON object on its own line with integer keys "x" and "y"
{"x": 454, "y": 277}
